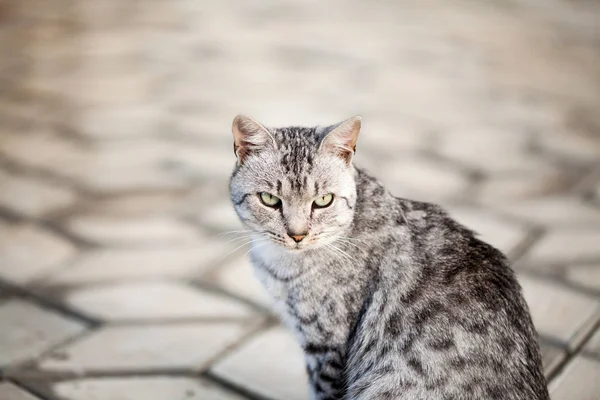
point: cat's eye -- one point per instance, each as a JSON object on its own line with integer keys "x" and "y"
{"x": 323, "y": 201}
{"x": 269, "y": 200}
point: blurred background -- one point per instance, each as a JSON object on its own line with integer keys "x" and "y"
{"x": 116, "y": 281}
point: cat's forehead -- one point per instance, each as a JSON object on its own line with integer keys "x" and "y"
{"x": 304, "y": 169}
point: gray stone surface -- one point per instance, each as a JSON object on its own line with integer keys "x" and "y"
{"x": 593, "y": 345}
{"x": 560, "y": 313}
{"x": 270, "y": 364}
{"x": 8, "y": 391}
{"x": 147, "y": 388}
{"x": 579, "y": 380}
{"x": 119, "y": 231}
{"x": 115, "y": 152}
{"x": 152, "y": 301}
{"x": 237, "y": 277}
{"x": 29, "y": 331}
{"x": 552, "y": 357}
{"x": 28, "y": 251}
{"x": 109, "y": 265}
{"x": 33, "y": 197}
{"x": 503, "y": 234}
{"x": 567, "y": 246}
{"x": 176, "y": 346}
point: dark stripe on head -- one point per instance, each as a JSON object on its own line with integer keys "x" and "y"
{"x": 241, "y": 200}
{"x": 347, "y": 202}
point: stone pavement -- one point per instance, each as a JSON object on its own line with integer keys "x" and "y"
{"x": 115, "y": 151}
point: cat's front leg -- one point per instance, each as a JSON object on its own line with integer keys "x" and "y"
{"x": 325, "y": 375}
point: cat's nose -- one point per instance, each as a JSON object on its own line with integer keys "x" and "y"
{"x": 297, "y": 236}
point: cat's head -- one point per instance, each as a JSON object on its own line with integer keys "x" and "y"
{"x": 295, "y": 186}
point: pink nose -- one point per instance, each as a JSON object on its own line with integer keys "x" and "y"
{"x": 297, "y": 238}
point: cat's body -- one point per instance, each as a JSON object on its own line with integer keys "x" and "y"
{"x": 398, "y": 301}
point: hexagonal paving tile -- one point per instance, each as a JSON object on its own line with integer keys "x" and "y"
{"x": 28, "y": 251}
{"x": 220, "y": 216}
{"x": 500, "y": 233}
{"x": 584, "y": 275}
{"x": 33, "y": 197}
{"x": 553, "y": 211}
{"x": 519, "y": 187}
{"x": 138, "y": 388}
{"x": 135, "y": 264}
{"x": 558, "y": 312}
{"x": 593, "y": 344}
{"x": 32, "y": 330}
{"x": 8, "y": 391}
{"x": 237, "y": 277}
{"x": 153, "y": 301}
{"x": 432, "y": 180}
{"x": 133, "y": 231}
{"x": 552, "y": 356}
{"x": 578, "y": 381}
{"x": 270, "y": 364}
{"x": 566, "y": 246}
{"x": 147, "y": 347}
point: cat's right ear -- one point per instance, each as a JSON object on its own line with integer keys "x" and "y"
{"x": 249, "y": 136}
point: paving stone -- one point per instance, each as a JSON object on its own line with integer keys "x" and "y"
{"x": 524, "y": 186}
{"x": 137, "y": 388}
{"x": 202, "y": 163}
{"x": 552, "y": 357}
{"x": 270, "y": 364}
{"x": 578, "y": 381}
{"x": 43, "y": 149}
{"x": 553, "y": 211}
{"x": 8, "y": 391}
{"x": 221, "y": 217}
{"x": 479, "y": 148}
{"x": 27, "y": 252}
{"x": 237, "y": 277}
{"x": 152, "y": 301}
{"x": 111, "y": 167}
{"x": 135, "y": 99}
{"x": 133, "y": 231}
{"x": 586, "y": 275}
{"x": 593, "y": 344}
{"x": 503, "y": 234}
{"x": 138, "y": 205}
{"x": 119, "y": 122}
{"x": 435, "y": 182}
{"x": 560, "y": 313}
{"x": 581, "y": 147}
{"x": 139, "y": 264}
{"x": 146, "y": 347}
{"x": 33, "y": 197}
{"x": 32, "y": 331}
{"x": 566, "y": 246}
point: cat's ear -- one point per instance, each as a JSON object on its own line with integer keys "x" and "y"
{"x": 249, "y": 136}
{"x": 341, "y": 139}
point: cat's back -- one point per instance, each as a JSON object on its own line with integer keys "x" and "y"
{"x": 446, "y": 318}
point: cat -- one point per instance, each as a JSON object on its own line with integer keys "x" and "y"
{"x": 389, "y": 298}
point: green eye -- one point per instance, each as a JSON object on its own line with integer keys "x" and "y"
{"x": 324, "y": 201}
{"x": 269, "y": 200}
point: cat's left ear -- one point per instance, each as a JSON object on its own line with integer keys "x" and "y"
{"x": 249, "y": 137}
{"x": 341, "y": 139}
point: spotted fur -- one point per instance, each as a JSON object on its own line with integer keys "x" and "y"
{"x": 389, "y": 298}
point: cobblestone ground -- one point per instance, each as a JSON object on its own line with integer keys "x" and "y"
{"x": 115, "y": 151}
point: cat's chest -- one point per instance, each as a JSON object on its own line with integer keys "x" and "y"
{"x": 315, "y": 296}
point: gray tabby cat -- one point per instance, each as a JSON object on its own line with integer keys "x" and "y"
{"x": 389, "y": 298}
